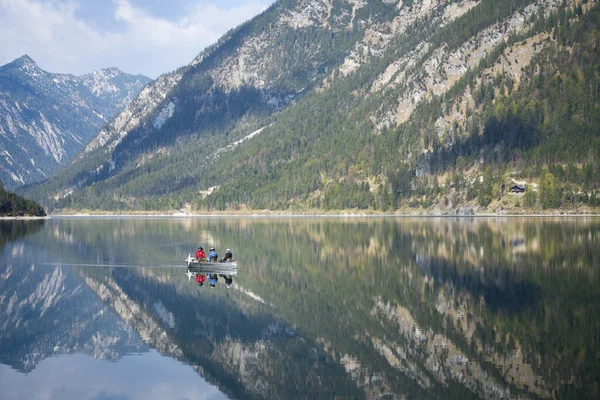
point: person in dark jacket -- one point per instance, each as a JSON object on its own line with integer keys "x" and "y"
{"x": 228, "y": 256}
{"x": 228, "y": 280}
{"x": 200, "y": 254}
{"x": 213, "y": 256}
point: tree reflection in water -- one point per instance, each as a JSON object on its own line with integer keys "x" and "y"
{"x": 324, "y": 307}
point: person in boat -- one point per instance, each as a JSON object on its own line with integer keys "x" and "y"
{"x": 213, "y": 256}
{"x": 213, "y": 279}
{"x": 200, "y": 279}
{"x": 228, "y": 256}
{"x": 200, "y": 254}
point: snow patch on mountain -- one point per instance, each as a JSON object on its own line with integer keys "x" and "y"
{"x": 238, "y": 142}
{"x": 249, "y": 293}
{"x": 16, "y": 178}
{"x": 99, "y": 82}
{"x": 48, "y": 138}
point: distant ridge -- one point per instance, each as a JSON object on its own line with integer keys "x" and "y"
{"x": 45, "y": 117}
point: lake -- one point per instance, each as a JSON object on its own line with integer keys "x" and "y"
{"x": 386, "y": 308}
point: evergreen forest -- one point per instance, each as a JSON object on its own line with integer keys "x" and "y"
{"x": 12, "y": 205}
{"x": 323, "y": 143}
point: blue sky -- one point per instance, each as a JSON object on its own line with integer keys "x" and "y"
{"x": 149, "y": 37}
{"x": 144, "y": 376}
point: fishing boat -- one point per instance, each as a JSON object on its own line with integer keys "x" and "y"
{"x": 217, "y": 267}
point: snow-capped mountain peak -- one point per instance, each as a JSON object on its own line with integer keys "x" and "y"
{"x": 46, "y": 117}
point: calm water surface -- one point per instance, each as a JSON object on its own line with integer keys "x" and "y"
{"x": 101, "y": 308}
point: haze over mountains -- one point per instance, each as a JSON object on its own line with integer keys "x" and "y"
{"x": 319, "y": 104}
{"x": 45, "y": 118}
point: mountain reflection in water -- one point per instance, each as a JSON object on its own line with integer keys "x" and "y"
{"x": 329, "y": 307}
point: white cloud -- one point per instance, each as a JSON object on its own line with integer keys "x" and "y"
{"x": 60, "y": 41}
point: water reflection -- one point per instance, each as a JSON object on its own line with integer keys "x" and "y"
{"x": 156, "y": 378}
{"x": 447, "y": 308}
{"x": 11, "y": 230}
{"x": 213, "y": 279}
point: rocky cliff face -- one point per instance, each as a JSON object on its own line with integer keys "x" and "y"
{"x": 351, "y": 93}
{"x": 46, "y": 118}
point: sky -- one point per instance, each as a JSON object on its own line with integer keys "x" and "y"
{"x": 148, "y": 37}
{"x": 144, "y": 376}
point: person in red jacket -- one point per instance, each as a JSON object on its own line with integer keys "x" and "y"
{"x": 200, "y": 254}
{"x": 200, "y": 279}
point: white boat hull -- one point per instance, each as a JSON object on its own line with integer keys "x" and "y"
{"x": 192, "y": 262}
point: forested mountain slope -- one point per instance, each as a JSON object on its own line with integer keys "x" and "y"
{"x": 352, "y": 104}
{"x": 12, "y": 205}
{"x": 46, "y": 118}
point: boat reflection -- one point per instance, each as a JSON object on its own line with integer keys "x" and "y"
{"x": 212, "y": 278}
{"x": 210, "y": 274}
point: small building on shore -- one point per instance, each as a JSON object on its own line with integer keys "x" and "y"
{"x": 517, "y": 189}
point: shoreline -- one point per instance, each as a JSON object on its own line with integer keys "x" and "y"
{"x": 26, "y": 217}
{"x": 344, "y": 214}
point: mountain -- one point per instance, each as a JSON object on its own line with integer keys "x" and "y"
{"x": 388, "y": 105}
{"x": 46, "y": 118}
